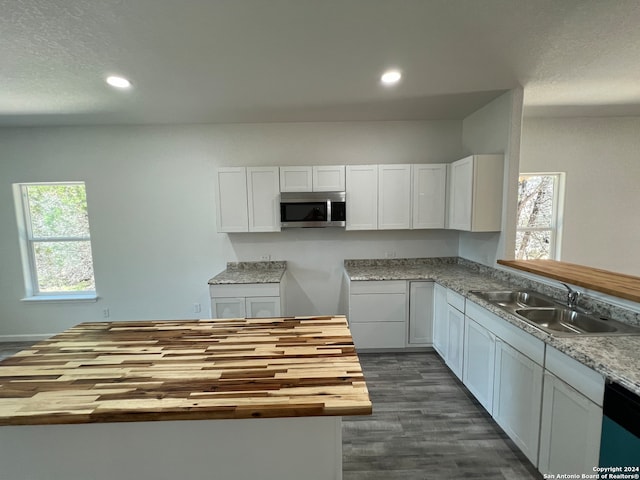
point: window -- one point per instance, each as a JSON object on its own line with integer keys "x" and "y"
{"x": 55, "y": 239}
{"x": 539, "y": 213}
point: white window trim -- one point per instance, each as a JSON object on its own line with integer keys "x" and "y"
{"x": 26, "y": 240}
{"x": 559, "y": 179}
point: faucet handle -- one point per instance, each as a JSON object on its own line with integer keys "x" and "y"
{"x": 572, "y": 296}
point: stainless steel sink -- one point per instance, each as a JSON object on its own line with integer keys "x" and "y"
{"x": 553, "y": 317}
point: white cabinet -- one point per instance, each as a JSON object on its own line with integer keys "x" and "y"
{"x": 479, "y": 361}
{"x": 475, "y": 193}
{"x": 429, "y": 194}
{"x": 455, "y": 340}
{"x": 420, "y": 314}
{"x": 296, "y": 179}
{"x": 328, "y": 178}
{"x": 247, "y": 199}
{"x": 571, "y": 416}
{"x": 263, "y": 189}
{"x": 362, "y": 197}
{"x": 377, "y": 313}
{"x": 246, "y": 300}
{"x": 517, "y": 395}
{"x": 394, "y": 197}
{"x": 322, "y": 178}
{"x": 231, "y": 199}
{"x": 440, "y": 320}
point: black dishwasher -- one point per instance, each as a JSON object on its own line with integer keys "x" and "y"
{"x": 620, "y": 444}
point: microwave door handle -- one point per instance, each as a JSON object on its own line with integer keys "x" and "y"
{"x": 329, "y": 211}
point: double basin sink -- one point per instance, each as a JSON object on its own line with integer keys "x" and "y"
{"x": 553, "y": 317}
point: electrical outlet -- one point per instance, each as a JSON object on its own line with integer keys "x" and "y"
{"x": 106, "y": 313}
{"x": 390, "y": 255}
{"x": 265, "y": 258}
{"x": 197, "y": 308}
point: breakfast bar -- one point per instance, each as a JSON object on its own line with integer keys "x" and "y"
{"x": 195, "y": 399}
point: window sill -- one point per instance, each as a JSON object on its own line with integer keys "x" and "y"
{"x": 87, "y": 297}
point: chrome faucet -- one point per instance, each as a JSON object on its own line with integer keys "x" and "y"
{"x": 572, "y": 297}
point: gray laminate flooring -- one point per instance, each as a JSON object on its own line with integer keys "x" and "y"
{"x": 425, "y": 425}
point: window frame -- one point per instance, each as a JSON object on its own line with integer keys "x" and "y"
{"x": 555, "y": 228}
{"x": 27, "y": 248}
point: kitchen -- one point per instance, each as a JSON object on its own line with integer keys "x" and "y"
{"x": 151, "y": 199}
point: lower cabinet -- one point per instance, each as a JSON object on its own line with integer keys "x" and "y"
{"x": 571, "y": 416}
{"x": 440, "y": 320}
{"x": 517, "y": 391}
{"x": 391, "y": 314}
{"x": 479, "y": 362}
{"x": 448, "y": 327}
{"x": 246, "y": 300}
{"x": 455, "y": 340}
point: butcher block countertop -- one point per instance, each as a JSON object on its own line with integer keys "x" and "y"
{"x": 186, "y": 370}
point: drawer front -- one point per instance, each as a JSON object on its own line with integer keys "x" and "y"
{"x": 245, "y": 290}
{"x": 522, "y": 341}
{"x": 585, "y": 380}
{"x": 455, "y": 300}
{"x": 384, "y": 286}
{"x": 378, "y": 308}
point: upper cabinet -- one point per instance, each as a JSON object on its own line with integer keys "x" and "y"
{"x": 475, "y": 193}
{"x": 325, "y": 178}
{"x": 328, "y": 178}
{"x": 248, "y": 199}
{"x": 231, "y": 199}
{"x": 362, "y": 197}
{"x": 429, "y": 194}
{"x": 394, "y": 197}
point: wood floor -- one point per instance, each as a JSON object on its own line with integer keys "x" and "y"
{"x": 425, "y": 425}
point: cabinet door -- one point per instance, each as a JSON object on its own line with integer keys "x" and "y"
{"x": 420, "y": 313}
{"x": 394, "y": 197}
{"x": 570, "y": 429}
{"x": 455, "y": 340}
{"x": 479, "y": 362}
{"x": 517, "y": 396}
{"x": 228, "y": 307}
{"x": 328, "y": 178}
{"x": 440, "y": 320}
{"x": 295, "y": 179}
{"x": 362, "y": 197}
{"x": 263, "y": 185}
{"x": 260, "y": 307}
{"x": 460, "y": 194}
{"x": 429, "y": 193}
{"x": 232, "y": 199}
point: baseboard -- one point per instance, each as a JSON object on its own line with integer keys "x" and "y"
{"x": 25, "y": 338}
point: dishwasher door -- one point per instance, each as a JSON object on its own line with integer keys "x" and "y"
{"x": 620, "y": 444}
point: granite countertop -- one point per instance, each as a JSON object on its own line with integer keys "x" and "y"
{"x": 250, "y": 272}
{"x": 617, "y": 358}
{"x": 186, "y": 370}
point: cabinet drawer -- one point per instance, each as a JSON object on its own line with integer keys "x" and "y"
{"x": 522, "y": 341}
{"x": 245, "y": 290}
{"x": 585, "y": 380}
{"x": 384, "y": 286}
{"x": 455, "y": 300}
{"x": 368, "y": 308}
{"x": 378, "y": 334}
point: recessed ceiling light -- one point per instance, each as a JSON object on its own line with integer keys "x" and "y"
{"x": 391, "y": 77}
{"x": 118, "y": 82}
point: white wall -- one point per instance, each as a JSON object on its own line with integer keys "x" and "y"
{"x": 496, "y": 128}
{"x": 601, "y": 158}
{"x": 152, "y": 213}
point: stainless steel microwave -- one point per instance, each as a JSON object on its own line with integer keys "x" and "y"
{"x": 313, "y": 209}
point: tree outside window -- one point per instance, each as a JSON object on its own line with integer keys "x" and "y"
{"x": 56, "y": 239}
{"x": 538, "y": 225}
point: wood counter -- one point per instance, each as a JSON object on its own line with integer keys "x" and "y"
{"x": 186, "y": 370}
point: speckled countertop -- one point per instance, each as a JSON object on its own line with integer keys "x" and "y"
{"x": 250, "y": 272}
{"x": 615, "y": 357}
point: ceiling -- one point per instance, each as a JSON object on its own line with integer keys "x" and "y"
{"x": 211, "y": 61}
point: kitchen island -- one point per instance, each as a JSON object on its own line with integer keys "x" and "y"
{"x": 232, "y": 398}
